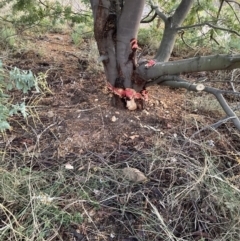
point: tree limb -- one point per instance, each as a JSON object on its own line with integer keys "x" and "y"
{"x": 196, "y": 64}
{"x": 149, "y": 20}
{"x": 103, "y": 36}
{"x": 158, "y": 12}
{"x": 211, "y": 127}
{"x": 233, "y": 11}
{"x": 170, "y": 30}
{"x": 181, "y": 12}
{"x": 181, "y": 34}
{"x": 210, "y": 25}
{"x": 223, "y": 29}
{"x": 231, "y": 1}
{"x": 220, "y": 8}
{"x": 127, "y": 29}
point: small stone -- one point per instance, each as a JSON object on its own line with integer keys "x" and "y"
{"x": 114, "y": 119}
{"x": 50, "y": 114}
{"x": 68, "y": 166}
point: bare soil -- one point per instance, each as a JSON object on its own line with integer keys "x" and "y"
{"x": 80, "y": 109}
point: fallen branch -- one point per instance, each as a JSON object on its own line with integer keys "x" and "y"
{"x": 177, "y": 82}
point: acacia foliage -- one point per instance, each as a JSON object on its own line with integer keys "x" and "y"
{"x": 214, "y": 24}
{"x": 30, "y": 12}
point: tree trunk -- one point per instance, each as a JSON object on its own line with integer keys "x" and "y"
{"x": 104, "y": 28}
{"x": 127, "y": 30}
{"x": 115, "y": 50}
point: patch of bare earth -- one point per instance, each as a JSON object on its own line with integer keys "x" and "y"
{"x": 77, "y": 124}
{"x": 80, "y": 107}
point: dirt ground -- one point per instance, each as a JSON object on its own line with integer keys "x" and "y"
{"x": 76, "y": 119}
{"x": 80, "y": 110}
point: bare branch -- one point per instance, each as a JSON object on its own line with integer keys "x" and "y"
{"x": 233, "y": 79}
{"x": 170, "y": 30}
{"x": 192, "y": 26}
{"x": 220, "y": 122}
{"x": 212, "y": 38}
{"x": 210, "y": 25}
{"x": 233, "y": 11}
{"x": 220, "y": 8}
{"x": 181, "y": 34}
{"x": 149, "y": 20}
{"x": 159, "y": 12}
{"x": 231, "y": 1}
{"x": 211, "y": 127}
{"x": 145, "y": 20}
{"x": 223, "y": 29}
{"x": 195, "y": 64}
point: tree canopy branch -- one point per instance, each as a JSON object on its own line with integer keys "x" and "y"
{"x": 233, "y": 11}
{"x": 144, "y": 20}
{"x": 220, "y": 8}
{"x": 158, "y": 12}
{"x": 232, "y": 1}
{"x": 210, "y": 25}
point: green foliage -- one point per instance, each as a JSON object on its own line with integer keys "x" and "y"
{"x": 22, "y": 80}
{"x": 205, "y": 11}
{"x": 14, "y": 79}
{"x": 7, "y": 36}
{"x": 203, "y": 36}
{"x": 29, "y": 12}
{"x": 18, "y": 16}
{"x": 150, "y": 37}
{"x": 76, "y": 37}
{"x": 81, "y": 31}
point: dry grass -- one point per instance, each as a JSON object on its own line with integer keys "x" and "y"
{"x": 189, "y": 195}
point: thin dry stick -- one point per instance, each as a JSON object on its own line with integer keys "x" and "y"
{"x": 199, "y": 180}
{"x": 210, "y": 127}
{"x": 89, "y": 217}
{"x": 165, "y": 228}
{"x": 10, "y": 224}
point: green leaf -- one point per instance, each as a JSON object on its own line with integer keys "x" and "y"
{"x": 4, "y": 125}
{"x": 23, "y": 110}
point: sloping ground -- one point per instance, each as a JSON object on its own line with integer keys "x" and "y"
{"x": 62, "y": 168}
